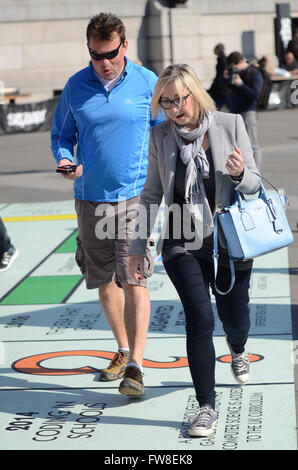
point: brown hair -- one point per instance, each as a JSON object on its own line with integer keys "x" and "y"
{"x": 104, "y": 26}
{"x": 234, "y": 58}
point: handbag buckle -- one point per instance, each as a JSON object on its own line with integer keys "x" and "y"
{"x": 271, "y": 207}
{"x": 277, "y": 226}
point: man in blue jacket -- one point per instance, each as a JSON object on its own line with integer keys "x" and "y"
{"x": 104, "y": 110}
{"x": 246, "y": 84}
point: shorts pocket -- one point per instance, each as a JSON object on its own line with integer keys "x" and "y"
{"x": 79, "y": 256}
{"x": 148, "y": 262}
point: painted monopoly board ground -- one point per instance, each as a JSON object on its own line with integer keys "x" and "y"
{"x": 54, "y": 340}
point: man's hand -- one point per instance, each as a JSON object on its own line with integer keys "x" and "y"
{"x": 238, "y": 80}
{"x": 136, "y": 267}
{"x": 71, "y": 176}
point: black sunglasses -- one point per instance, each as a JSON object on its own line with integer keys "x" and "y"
{"x": 107, "y": 55}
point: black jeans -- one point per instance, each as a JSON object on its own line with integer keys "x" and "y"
{"x": 192, "y": 278}
{"x": 4, "y": 239}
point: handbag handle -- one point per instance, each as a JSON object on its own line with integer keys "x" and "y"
{"x": 239, "y": 197}
{"x": 262, "y": 194}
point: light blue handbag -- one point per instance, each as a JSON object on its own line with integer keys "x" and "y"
{"x": 252, "y": 228}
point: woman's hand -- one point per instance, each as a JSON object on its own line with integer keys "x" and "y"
{"x": 136, "y": 267}
{"x": 235, "y": 163}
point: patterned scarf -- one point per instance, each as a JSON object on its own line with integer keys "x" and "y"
{"x": 197, "y": 167}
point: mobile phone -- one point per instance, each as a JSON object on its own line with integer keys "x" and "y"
{"x": 66, "y": 169}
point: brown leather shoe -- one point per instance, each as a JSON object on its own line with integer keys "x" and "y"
{"x": 132, "y": 383}
{"x": 115, "y": 369}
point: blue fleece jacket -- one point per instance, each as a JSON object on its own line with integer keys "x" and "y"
{"x": 111, "y": 131}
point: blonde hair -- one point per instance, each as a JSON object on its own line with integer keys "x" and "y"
{"x": 184, "y": 77}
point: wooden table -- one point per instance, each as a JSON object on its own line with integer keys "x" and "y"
{"x": 13, "y": 98}
{"x": 280, "y": 78}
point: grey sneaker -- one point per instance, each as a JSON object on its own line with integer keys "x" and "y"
{"x": 240, "y": 366}
{"x": 204, "y": 423}
{"x": 8, "y": 258}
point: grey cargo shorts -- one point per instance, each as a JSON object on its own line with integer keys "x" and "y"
{"x": 103, "y": 241}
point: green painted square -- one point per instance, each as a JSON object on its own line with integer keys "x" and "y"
{"x": 69, "y": 245}
{"x": 42, "y": 290}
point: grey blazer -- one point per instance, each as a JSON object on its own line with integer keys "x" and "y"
{"x": 225, "y": 131}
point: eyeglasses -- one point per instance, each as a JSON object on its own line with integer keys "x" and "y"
{"x": 107, "y": 55}
{"x": 167, "y": 104}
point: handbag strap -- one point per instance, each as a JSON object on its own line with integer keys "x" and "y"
{"x": 215, "y": 261}
{"x": 267, "y": 181}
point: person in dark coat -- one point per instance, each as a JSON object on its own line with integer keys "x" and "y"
{"x": 219, "y": 90}
{"x": 293, "y": 44}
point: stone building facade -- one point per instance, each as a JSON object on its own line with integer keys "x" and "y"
{"x": 43, "y": 42}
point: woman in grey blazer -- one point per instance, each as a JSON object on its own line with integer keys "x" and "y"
{"x": 196, "y": 158}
